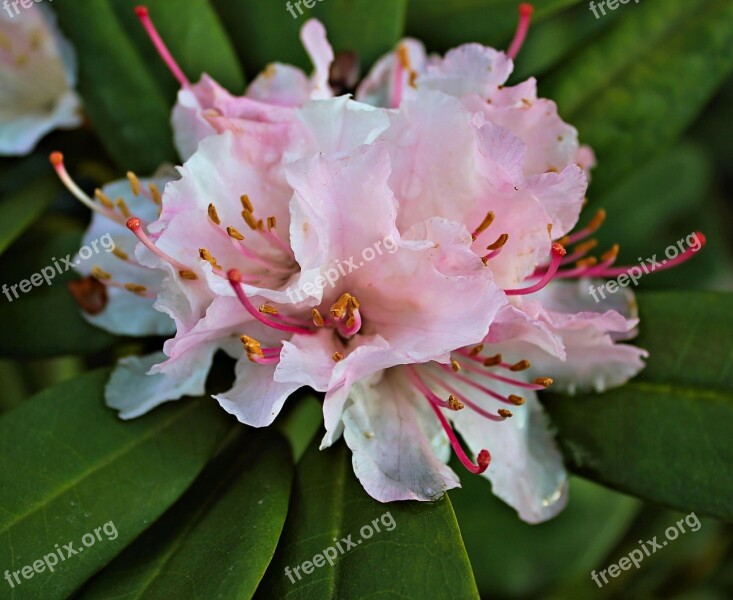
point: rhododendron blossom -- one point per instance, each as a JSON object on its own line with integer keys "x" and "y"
{"x": 37, "y": 78}
{"x": 480, "y": 306}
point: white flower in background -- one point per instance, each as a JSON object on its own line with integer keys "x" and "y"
{"x": 37, "y": 78}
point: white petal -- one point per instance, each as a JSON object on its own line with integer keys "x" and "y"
{"x": 392, "y": 437}
{"x": 133, "y": 392}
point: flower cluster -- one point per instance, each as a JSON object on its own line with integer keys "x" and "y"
{"x": 477, "y": 308}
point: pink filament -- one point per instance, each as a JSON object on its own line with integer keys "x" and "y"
{"x": 235, "y": 279}
{"x": 483, "y": 459}
{"x": 525, "y": 17}
{"x": 144, "y": 15}
{"x": 557, "y": 255}
{"x": 472, "y": 405}
{"x": 134, "y": 225}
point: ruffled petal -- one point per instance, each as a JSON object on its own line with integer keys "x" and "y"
{"x": 133, "y": 392}
{"x": 394, "y": 437}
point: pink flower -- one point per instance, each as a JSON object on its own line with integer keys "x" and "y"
{"x": 37, "y": 78}
{"x": 456, "y": 316}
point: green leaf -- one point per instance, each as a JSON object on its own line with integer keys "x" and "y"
{"x": 70, "y": 466}
{"x": 449, "y": 23}
{"x": 591, "y": 525}
{"x": 123, "y": 99}
{"x": 666, "y": 435}
{"x": 222, "y": 534}
{"x": 44, "y": 321}
{"x": 266, "y": 32}
{"x": 417, "y": 552}
{"x": 21, "y": 209}
{"x": 642, "y": 84}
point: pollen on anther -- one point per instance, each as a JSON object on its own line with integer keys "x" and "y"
{"x": 266, "y": 309}
{"x": 317, "y": 318}
{"x": 155, "y": 193}
{"x": 476, "y": 350}
{"x": 121, "y": 254}
{"x": 134, "y": 183}
{"x": 492, "y": 361}
{"x": 455, "y": 365}
{"x": 271, "y": 223}
{"x": 503, "y": 412}
{"x": 516, "y": 400}
{"x": 213, "y": 215}
{"x": 234, "y": 233}
{"x": 123, "y": 208}
{"x": 104, "y": 199}
{"x": 611, "y": 254}
{"x": 207, "y": 256}
{"x": 522, "y": 365}
{"x": 454, "y": 403}
{"x": 337, "y": 356}
{"x": 246, "y": 203}
{"x": 99, "y": 273}
{"x": 544, "y": 381}
{"x": 135, "y": 288}
{"x": 499, "y": 243}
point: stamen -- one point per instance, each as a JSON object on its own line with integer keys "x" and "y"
{"x": 545, "y": 382}
{"x": 522, "y": 365}
{"x": 133, "y": 224}
{"x": 476, "y": 350}
{"x": 525, "y": 17}
{"x": 317, "y": 318}
{"x": 557, "y": 254}
{"x": 485, "y": 224}
{"x": 499, "y": 243}
{"x": 483, "y": 459}
{"x": 136, "y": 288}
{"x": 144, "y": 16}
{"x": 455, "y": 365}
{"x": 492, "y": 361}
{"x": 213, "y": 215}
{"x": 99, "y": 273}
{"x": 535, "y": 387}
{"x": 257, "y": 354}
{"x": 478, "y": 386}
{"x": 266, "y": 309}
{"x": 121, "y": 254}
{"x": 155, "y": 193}
{"x": 234, "y": 233}
{"x": 123, "y": 208}
{"x": 57, "y": 160}
{"x": 429, "y": 394}
{"x": 271, "y": 223}
{"x": 466, "y": 401}
{"x": 235, "y": 279}
{"x": 337, "y": 357}
{"x": 246, "y": 203}
{"x": 104, "y": 199}
{"x": 208, "y": 257}
{"x": 588, "y": 230}
{"x": 134, "y": 183}
{"x": 505, "y": 413}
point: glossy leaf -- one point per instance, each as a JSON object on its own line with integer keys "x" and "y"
{"x": 265, "y": 32}
{"x": 449, "y": 23}
{"x": 417, "y": 552}
{"x": 19, "y": 210}
{"x": 666, "y": 435}
{"x": 44, "y": 321}
{"x": 69, "y": 467}
{"x": 565, "y": 547}
{"x": 638, "y": 87}
{"x": 219, "y": 538}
